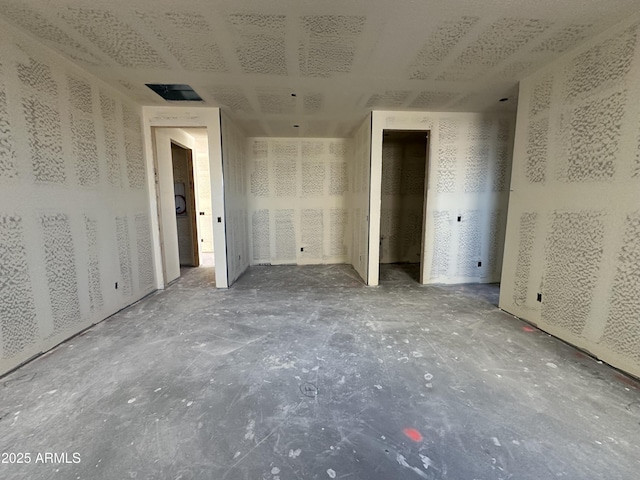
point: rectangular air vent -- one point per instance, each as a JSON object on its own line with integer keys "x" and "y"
{"x": 175, "y": 92}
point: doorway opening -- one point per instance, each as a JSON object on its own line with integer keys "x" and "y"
{"x": 403, "y": 204}
{"x": 184, "y": 200}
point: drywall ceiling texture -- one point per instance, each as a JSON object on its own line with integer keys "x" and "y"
{"x": 573, "y": 233}
{"x": 360, "y": 179}
{"x": 298, "y": 193}
{"x": 404, "y": 164}
{"x": 468, "y": 179}
{"x": 342, "y": 59}
{"x": 234, "y": 160}
{"x": 74, "y": 216}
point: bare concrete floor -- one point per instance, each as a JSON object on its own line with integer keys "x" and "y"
{"x": 304, "y": 373}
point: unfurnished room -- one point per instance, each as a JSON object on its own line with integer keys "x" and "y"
{"x": 288, "y": 240}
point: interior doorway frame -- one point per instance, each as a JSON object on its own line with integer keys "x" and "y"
{"x": 427, "y": 141}
{"x": 378, "y": 127}
{"x": 188, "y": 117}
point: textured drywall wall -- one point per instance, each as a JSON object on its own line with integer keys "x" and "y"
{"x": 234, "y": 161}
{"x": 298, "y": 191}
{"x": 74, "y": 210}
{"x": 573, "y": 232}
{"x": 343, "y": 59}
{"x": 360, "y": 172}
{"x": 469, "y": 168}
{"x": 404, "y": 164}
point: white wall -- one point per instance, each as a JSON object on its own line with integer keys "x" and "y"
{"x": 468, "y": 177}
{"x": 298, "y": 191}
{"x": 235, "y": 199}
{"x": 203, "y": 190}
{"x": 573, "y": 233}
{"x": 359, "y": 173}
{"x": 74, "y": 211}
{"x": 404, "y": 162}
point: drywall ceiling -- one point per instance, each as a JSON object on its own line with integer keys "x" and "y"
{"x": 340, "y": 58}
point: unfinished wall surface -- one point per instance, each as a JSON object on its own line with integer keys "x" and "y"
{"x": 404, "y": 163}
{"x": 359, "y": 173}
{"x": 74, "y": 209}
{"x": 467, "y": 192}
{"x": 298, "y": 192}
{"x": 234, "y": 162}
{"x": 573, "y": 233}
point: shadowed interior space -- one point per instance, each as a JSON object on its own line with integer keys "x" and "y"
{"x": 304, "y": 372}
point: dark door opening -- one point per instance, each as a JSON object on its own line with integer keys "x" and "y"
{"x": 403, "y": 203}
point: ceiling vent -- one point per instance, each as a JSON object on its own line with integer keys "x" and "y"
{"x": 175, "y": 92}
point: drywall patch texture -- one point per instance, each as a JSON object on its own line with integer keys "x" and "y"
{"x": 59, "y": 257}
{"x": 572, "y": 262}
{"x": 17, "y": 310}
{"x": 85, "y": 148}
{"x": 66, "y": 221}
{"x": 571, "y": 267}
{"x": 259, "y": 41}
{"x": 188, "y": 37}
{"x": 523, "y": 265}
{"x": 7, "y": 148}
{"x": 622, "y": 333}
{"x": 329, "y": 44}
{"x": 234, "y": 161}
{"x": 298, "y": 200}
{"x": 41, "y": 113}
{"x": 96, "y": 300}
{"x": 467, "y": 191}
{"x": 115, "y": 38}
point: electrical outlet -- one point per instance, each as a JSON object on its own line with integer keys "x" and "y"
{"x": 219, "y": 219}
{"x": 116, "y": 285}
{"x": 459, "y": 218}
{"x": 539, "y": 298}
{"x": 302, "y": 249}
{"x": 479, "y": 264}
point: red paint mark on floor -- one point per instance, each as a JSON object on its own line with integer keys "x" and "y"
{"x": 528, "y": 329}
{"x": 628, "y": 381}
{"x": 413, "y": 434}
